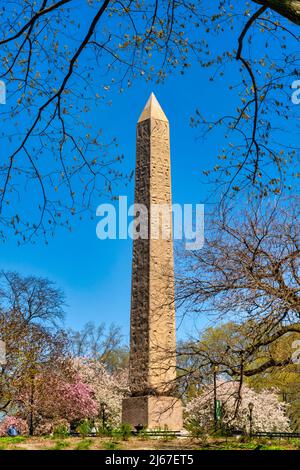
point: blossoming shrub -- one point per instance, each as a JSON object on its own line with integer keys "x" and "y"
{"x": 58, "y": 427}
{"x": 19, "y": 423}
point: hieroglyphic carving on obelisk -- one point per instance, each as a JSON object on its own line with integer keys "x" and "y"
{"x": 152, "y": 366}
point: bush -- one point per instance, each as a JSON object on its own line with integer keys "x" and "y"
{"x": 61, "y": 431}
{"x": 104, "y": 432}
{"x": 123, "y": 432}
{"x": 19, "y": 423}
{"x": 56, "y": 427}
{"x": 194, "y": 428}
{"x": 84, "y": 428}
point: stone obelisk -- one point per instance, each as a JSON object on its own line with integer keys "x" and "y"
{"x": 152, "y": 365}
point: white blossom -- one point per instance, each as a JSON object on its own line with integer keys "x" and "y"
{"x": 108, "y": 388}
{"x": 269, "y": 414}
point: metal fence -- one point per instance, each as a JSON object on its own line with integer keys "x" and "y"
{"x": 282, "y": 435}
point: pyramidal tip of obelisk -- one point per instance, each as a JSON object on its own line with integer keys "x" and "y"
{"x": 152, "y": 110}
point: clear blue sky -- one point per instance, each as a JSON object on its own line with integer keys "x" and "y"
{"x": 94, "y": 274}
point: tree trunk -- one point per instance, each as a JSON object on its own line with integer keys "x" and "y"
{"x": 290, "y": 9}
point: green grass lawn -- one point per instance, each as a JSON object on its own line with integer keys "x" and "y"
{"x": 135, "y": 443}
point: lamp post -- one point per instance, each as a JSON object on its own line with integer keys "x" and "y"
{"x": 103, "y": 414}
{"x": 215, "y": 372}
{"x": 250, "y": 406}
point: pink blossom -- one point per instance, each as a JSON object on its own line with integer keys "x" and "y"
{"x": 19, "y": 423}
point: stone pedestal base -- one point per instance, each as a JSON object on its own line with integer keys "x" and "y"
{"x": 153, "y": 412}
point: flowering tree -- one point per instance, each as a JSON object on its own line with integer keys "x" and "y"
{"x": 31, "y": 309}
{"x": 52, "y": 398}
{"x": 108, "y": 388}
{"x": 269, "y": 414}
